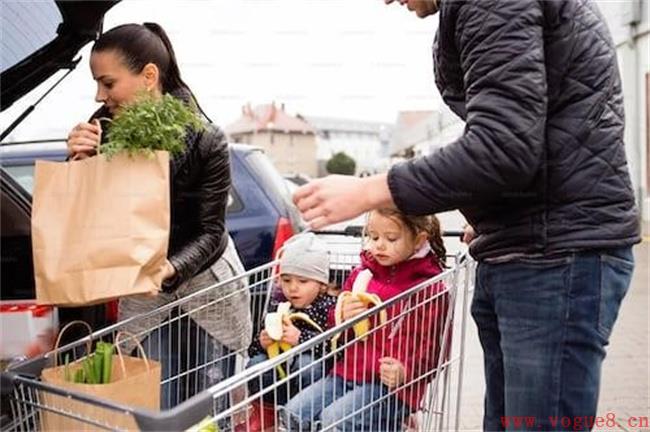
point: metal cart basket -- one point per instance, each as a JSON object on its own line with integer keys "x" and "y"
{"x": 424, "y": 327}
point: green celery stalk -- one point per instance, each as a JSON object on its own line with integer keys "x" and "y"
{"x": 105, "y": 350}
{"x": 89, "y": 370}
{"x": 66, "y": 370}
{"x": 97, "y": 366}
{"x": 79, "y": 376}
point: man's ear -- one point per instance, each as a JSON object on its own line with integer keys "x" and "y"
{"x": 151, "y": 76}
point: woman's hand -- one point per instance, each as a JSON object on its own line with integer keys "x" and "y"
{"x": 353, "y": 307}
{"x": 169, "y": 271}
{"x": 468, "y": 234}
{"x": 265, "y": 340}
{"x": 84, "y": 139}
{"x": 391, "y": 372}
{"x": 337, "y": 198}
{"x": 290, "y": 333}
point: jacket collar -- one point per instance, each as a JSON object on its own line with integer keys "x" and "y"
{"x": 422, "y": 265}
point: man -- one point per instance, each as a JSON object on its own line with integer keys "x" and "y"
{"x": 541, "y": 175}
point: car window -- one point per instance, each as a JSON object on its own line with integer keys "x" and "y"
{"x": 23, "y": 174}
{"x": 291, "y": 186}
{"x": 26, "y": 27}
{"x": 275, "y": 186}
{"x": 269, "y": 175}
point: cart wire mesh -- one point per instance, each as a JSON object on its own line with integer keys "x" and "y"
{"x": 424, "y": 330}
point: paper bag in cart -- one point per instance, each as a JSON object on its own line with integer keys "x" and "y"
{"x": 135, "y": 383}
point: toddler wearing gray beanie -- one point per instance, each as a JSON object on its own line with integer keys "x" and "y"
{"x": 307, "y": 256}
{"x": 303, "y": 256}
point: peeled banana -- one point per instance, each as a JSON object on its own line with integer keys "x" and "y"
{"x": 273, "y": 325}
{"x": 359, "y": 288}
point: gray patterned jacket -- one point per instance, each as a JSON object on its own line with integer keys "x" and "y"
{"x": 223, "y": 311}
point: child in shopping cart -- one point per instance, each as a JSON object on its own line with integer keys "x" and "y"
{"x": 382, "y": 376}
{"x": 304, "y": 283}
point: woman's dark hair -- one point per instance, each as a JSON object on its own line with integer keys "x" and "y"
{"x": 417, "y": 224}
{"x": 140, "y": 45}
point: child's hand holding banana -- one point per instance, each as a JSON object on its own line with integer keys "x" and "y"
{"x": 283, "y": 334}
{"x": 265, "y": 339}
{"x": 290, "y": 333}
{"x": 352, "y": 307}
{"x": 355, "y": 302}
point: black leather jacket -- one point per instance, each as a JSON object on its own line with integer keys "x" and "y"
{"x": 199, "y": 195}
{"x": 541, "y": 166}
{"x": 200, "y": 183}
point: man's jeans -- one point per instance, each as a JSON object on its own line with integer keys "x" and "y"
{"x": 544, "y": 324}
{"x": 343, "y": 405}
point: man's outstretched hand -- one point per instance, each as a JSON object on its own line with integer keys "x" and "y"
{"x": 337, "y": 198}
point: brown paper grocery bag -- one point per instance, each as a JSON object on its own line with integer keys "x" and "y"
{"x": 100, "y": 228}
{"x": 135, "y": 382}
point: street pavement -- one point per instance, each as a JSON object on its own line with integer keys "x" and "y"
{"x": 625, "y": 385}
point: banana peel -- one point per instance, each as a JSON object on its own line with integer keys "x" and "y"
{"x": 273, "y": 323}
{"x": 359, "y": 288}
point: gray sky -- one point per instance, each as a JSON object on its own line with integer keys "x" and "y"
{"x": 341, "y": 58}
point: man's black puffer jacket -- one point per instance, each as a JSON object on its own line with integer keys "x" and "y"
{"x": 541, "y": 166}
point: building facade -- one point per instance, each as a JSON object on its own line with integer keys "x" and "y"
{"x": 365, "y": 142}
{"x": 289, "y": 141}
{"x": 419, "y": 133}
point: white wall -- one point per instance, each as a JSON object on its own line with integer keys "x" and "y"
{"x": 365, "y": 149}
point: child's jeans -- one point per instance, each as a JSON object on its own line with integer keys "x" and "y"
{"x": 343, "y": 405}
{"x": 308, "y": 371}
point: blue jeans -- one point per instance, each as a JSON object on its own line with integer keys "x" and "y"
{"x": 343, "y": 405}
{"x": 544, "y": 324}
{"x": 310, "y": 371}
{"x": 191, "y": 360}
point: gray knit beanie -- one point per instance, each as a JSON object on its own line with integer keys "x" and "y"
{"x": 307, "y": 256}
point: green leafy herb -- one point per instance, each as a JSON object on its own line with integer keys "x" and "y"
{"x": 150, "y": 124}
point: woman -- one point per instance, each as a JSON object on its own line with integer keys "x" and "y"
{"x": 125, "y": 61}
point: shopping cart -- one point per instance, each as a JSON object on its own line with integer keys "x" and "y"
{"x": 226, "y": 404}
